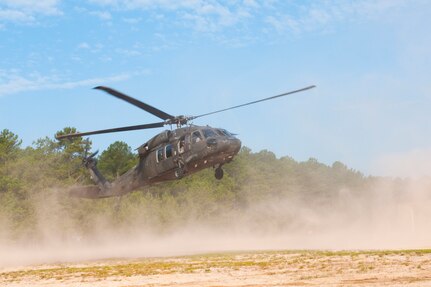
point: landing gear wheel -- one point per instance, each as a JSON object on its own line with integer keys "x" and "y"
{"x": 219, "y": 173}
{"x": 179, "y": 173}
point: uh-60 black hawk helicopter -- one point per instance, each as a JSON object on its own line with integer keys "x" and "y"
{"x": 169, "y": 155}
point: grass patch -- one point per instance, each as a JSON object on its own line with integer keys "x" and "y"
{"x": 205, "y": 263}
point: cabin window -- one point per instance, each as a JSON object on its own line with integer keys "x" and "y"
{"x": 209, "y": 133}
{"x": 168, "y": 151}
{"x": 196, "y": 137}
{"x": 159, "y": 154}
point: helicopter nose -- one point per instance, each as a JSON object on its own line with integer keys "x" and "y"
{"x": 230, "y": 146}
{"x": 211, "y": 142}
{"x": 235, "y": 146}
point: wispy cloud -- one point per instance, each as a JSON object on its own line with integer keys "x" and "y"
{"x": 26, "y": 11}
{"x": 235, "y": 19}
{"x": 93, "y": 48}
{"x": 15, "y": 83}
{"x": 83, "y": 45}
{"x": 128, "y": 52}
{"x": 320, "y": 15}
{"x": 10, "y": 15}
{"x": 40, "y": 6}
{"x": 201, "y": 15}
{"x": 132, "y": 21}
{"x": 103, "y": 15}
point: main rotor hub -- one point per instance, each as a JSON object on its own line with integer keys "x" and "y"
{"x": 178, "y": 120}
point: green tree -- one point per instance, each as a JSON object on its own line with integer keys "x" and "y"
{"x": 116, "y": 160}
{"x": 9, "y": 151}
{"x": 9, "y": 145}
{"x": 75, "y": 147}
{"x": 71, "y": 152}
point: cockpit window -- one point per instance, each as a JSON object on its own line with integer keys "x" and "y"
{"x": 209, "y": 133}
{"x": 220, "y": 133}
{"x": 168, "y": 151}
{"x": 159, "y": 154}
{"x": 224, "y": 132}
{"x": 196, "y": 137}
{"x": 228, "y": 133}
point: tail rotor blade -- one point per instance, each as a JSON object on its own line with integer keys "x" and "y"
{"x": 93, "y": 154}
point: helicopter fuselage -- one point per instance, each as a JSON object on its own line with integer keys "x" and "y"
{"x": 170, "y": 155}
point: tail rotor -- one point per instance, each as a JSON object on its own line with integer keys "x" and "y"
{"x": 89, "y": 160}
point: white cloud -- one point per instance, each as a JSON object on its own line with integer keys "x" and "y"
{"x": 93, "y": 48}
{"x": 15, "y": 16}
{"x": 321, "y": 14}
{"x": 202, "y": 15}
{"x": 128, "y": 52}
{"x": 251, "y": 3}
{"x": 149, "y": 4}
{"x": 132, "y": 20}
{"x": 40, "y": 6}
{"x": 281, "y": 24}
{"x": 83, "y": 45}
{"x": 34, "y": 82}
{"x": 103, "y": 15}
{"x": 283, "y": 16}
{"x": 27, "y": 10}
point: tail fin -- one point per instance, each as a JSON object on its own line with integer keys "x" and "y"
{"x": 91, "y": 164}
{"x": 127, "y": 182}
{"x": 102, "y": 187}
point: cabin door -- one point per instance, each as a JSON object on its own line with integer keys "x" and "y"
{"x": 164, "y": 158}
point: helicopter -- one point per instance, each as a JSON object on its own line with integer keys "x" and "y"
{"x": 169, "y": 155}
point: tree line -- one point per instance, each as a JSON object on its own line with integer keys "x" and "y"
{"x": 34, "y": 181}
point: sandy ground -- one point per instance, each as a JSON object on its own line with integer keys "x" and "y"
{"x": 263, "y": 268}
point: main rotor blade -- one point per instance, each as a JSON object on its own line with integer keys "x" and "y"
{"x": 114, "y": 130}
{"x": 254, "y": 102}
{"x": 135, "y": 102}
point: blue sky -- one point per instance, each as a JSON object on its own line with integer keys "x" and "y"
{"x": 370, "y": 60}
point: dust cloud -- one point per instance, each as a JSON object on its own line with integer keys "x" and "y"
{"x": 387, "y": 214}
{"x": 413, "y": 163}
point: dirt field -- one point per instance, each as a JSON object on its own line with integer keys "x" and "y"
{"x": 264, "y": 268}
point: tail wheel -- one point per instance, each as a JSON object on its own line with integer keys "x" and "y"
{"x": 219, "y": 173}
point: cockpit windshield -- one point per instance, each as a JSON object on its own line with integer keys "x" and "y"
{"x": 208, "y": 133}
{"x": 224, "y": 132}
